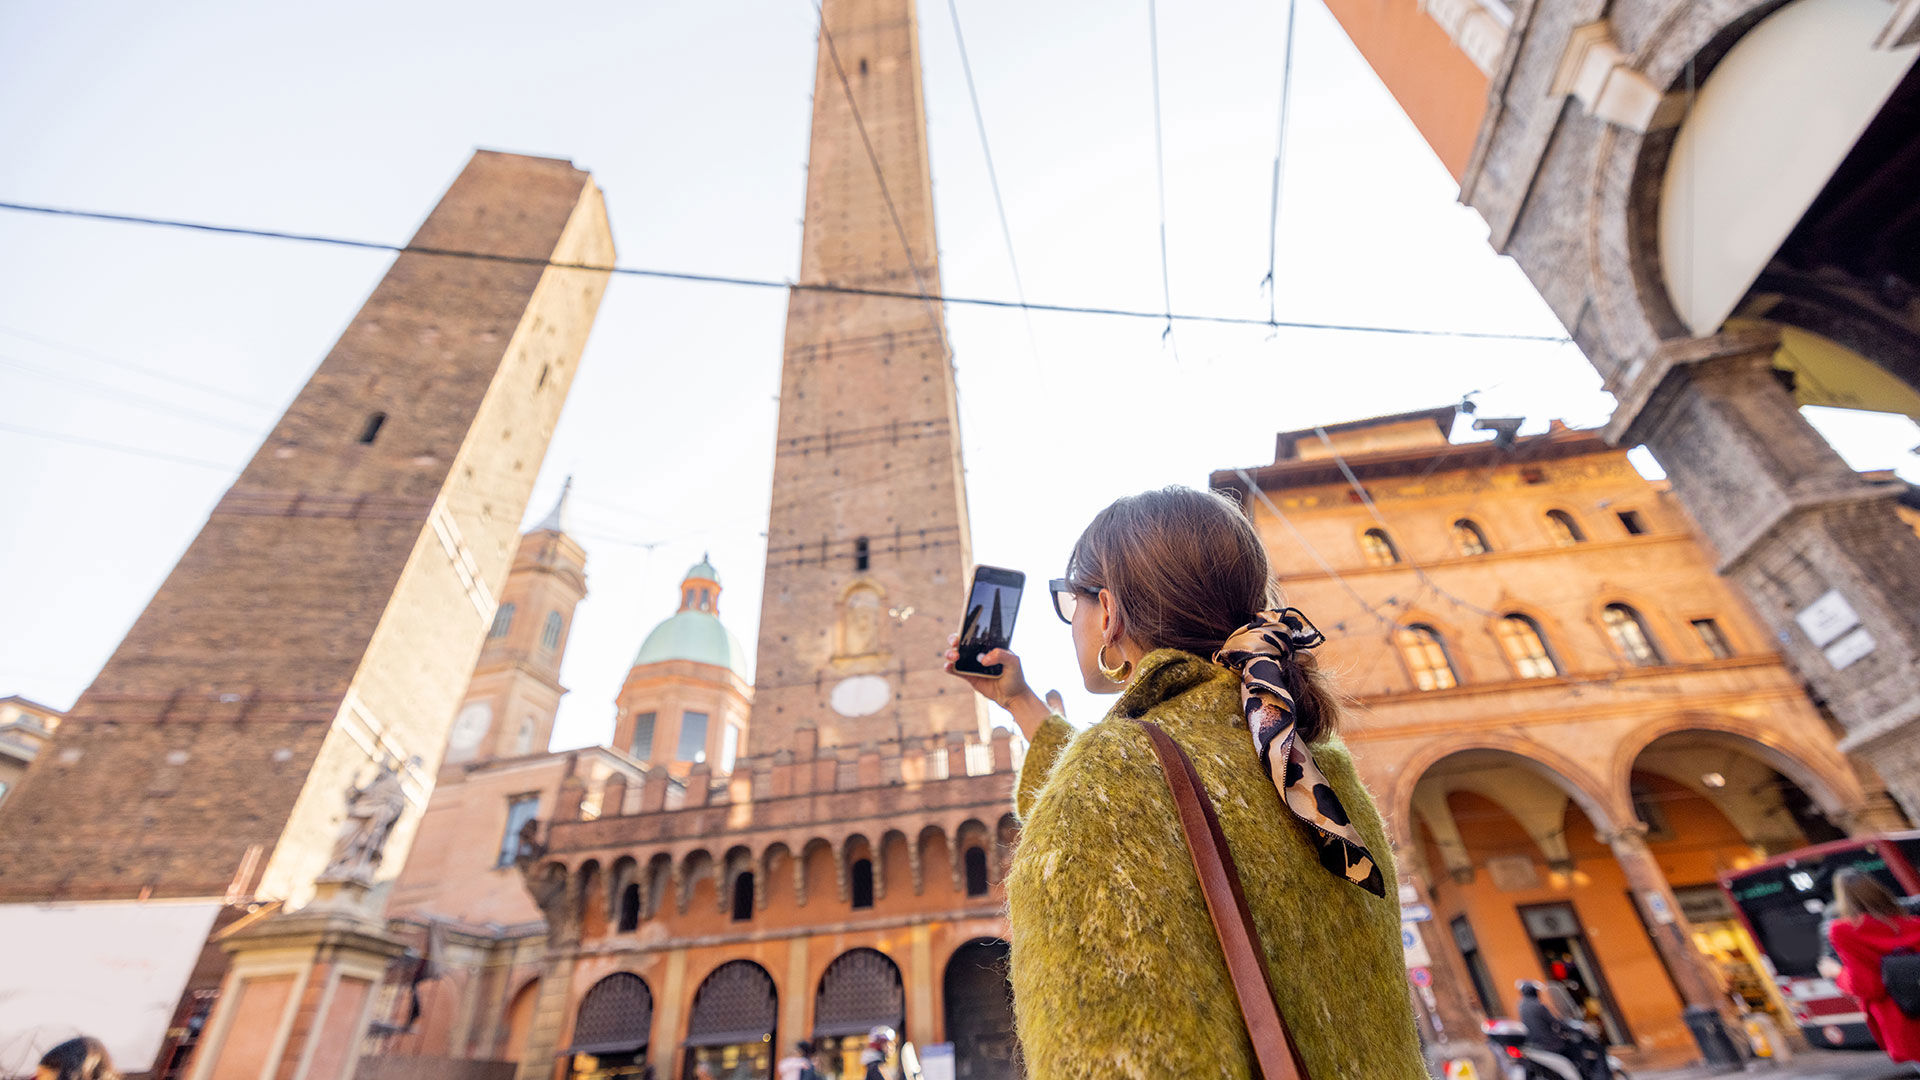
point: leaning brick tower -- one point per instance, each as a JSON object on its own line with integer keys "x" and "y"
{"x": 867, "y": 539}
{"x": 329, "y": 614}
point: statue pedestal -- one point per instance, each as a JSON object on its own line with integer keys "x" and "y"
{"x": 300, "y": 990}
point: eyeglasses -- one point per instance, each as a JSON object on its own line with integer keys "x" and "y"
{"x": 1066, "y": 596}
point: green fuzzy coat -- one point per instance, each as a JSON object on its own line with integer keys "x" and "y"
{"x": 1116, "y": 969}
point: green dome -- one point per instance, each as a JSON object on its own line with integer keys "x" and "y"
{"x": 704, "y": 569}
{"x": 697, "y": 636}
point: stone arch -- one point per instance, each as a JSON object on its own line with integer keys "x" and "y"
{"x": 550, "y": 886}
{"x": 1597, "y": 799}
{"x": 852, "y": 849}
{"x": 625, "y": 875}
{"x": 861, "y": 621}
{"x": 615, "y": 1016}
{"x": 516, "y": 1022}
{"x": 971, "y": 833}
{"x": 818, "y": 852}
{"x": 739, "y": 860}
{"x": 697, "y": 865}
{"x": 659, "y": 885}
{"x": 929, "y": 848}
{"x": 590, "y": 898}
{"x": 736, "y": 1003}
{"x": 1562, "y": 645}
{"x": 893, "y": 856}
{"x": 860, "y": 990}
{"x": 775, "y": 861}
{"x": 1825, "y": 776}
{"x": 979, "y": 1009}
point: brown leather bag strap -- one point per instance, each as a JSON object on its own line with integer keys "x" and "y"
{"x": 1279, "y": 1059}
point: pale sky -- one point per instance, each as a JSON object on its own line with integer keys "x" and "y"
{"x": 352, "y": 118}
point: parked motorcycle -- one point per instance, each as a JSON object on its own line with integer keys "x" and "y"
{"x": 1519, "y": 1061}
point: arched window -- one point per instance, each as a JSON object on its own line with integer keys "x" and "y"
{"x": 1468, "y": 539}
{"x": 1564, "y": 530}
{"x": 976, "y": 871}
{"x": 743, "y": 896}
{"x": 630, "y": 908}
{"x": 1378, "y": 548}
{"x": 1426, "y": 657}
{"x": 1526, "y": 647}
{"x": 502, "y": 621}
{"x": 614, "y": 1018}
{"x": 1629, "y": 634}
{"x": 863, "y": 883}
{"x": 550, "y": 633}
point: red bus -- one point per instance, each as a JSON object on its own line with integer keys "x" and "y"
{"x": 1783, "y": 902}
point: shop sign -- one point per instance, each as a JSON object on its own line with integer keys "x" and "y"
{"x": 1416, "y": 949}
{"x": 1415, "y": 913}
{"x": 1422, "y": 977}
{"x": 1827, "y": 618}
{"x": 1842, "y": 654}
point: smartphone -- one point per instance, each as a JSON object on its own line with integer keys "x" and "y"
{"x": 991, "y": 606}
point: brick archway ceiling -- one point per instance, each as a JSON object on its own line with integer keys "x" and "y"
{"x": 1850, "y": 270}
{"x": 735, "y": 1004}
{"x": 860, "y": 990}
{"x": 615, "y": 1015}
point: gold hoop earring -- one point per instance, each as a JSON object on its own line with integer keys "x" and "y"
{"x": 1118, "y": 674}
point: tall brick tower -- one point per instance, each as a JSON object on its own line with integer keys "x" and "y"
{"x": 329, "y": 614}
{"x": 868, "y": 548}
{"x": 510, "y": 707}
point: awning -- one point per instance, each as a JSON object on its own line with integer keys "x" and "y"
{"x": 729, "y": 1038}
{"x": 601, "y": 1049}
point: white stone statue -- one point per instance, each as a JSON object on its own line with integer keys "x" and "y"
{"x": 371, "y": 812}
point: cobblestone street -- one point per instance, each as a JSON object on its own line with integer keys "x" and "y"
{"x": 1815, "y": 1065}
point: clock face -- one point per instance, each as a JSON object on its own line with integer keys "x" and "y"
{"x": 469, "y": 729}
{"x": 860, "y": 695}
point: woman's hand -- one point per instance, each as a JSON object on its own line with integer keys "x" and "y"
{"x": 1001, "y": 689}
{"x": 1009, "y": 689}
{"x": 1828, "y": 967}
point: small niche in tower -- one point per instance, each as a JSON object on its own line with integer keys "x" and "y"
{"x": 863, "y": 65}
{"x": 862, "y": 554}
{"x": 372, "y": 430}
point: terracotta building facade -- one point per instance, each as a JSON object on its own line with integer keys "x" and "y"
{"x": 1717, "y": 201}
{"x": 1572, "y": 723}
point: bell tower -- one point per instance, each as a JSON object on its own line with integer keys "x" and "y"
{"x": 867, "y": 540}
{"x": 515, "y": 694}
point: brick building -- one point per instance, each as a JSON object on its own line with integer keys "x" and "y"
{"x": 818, "y": 852}
{"x": 25, "y": 728}
{"x": 324, "y": 623}
{"x": 1718, "y": 201}
{"x": 1561, "y": 707}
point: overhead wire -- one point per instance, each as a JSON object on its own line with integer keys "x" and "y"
{"x": 118, "y": 448}
{"x": 130, "y": 397}
{"x": 127, "y": 365}
{"x": 1160, "y": 170}
{"x": 993, "y": 177}
{"x": 1272, "y": 283}
{"x": 879, "y": 175}
{"x": 771, "y": 283}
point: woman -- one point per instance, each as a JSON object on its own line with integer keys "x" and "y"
{"x": 81, "y": 1058}
{"x": 1115, "y": 967}
{"x": 1869, "y": 925}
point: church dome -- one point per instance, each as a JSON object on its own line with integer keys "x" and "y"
{"x": 695, "y": 632}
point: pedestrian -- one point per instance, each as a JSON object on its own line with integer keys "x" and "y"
{"x": 80, "y": 1058}
{"x": 799, "y": 1064}
{"x": 879, "y": 1047}
{"x": 1116, "y": 966}
{"x": 1869, "y": 926}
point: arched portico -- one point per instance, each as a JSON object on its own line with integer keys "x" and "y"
{"x": 1539, "y": 870}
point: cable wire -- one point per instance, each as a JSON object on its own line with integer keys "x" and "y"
{"x": 993, "y": 178}
{"x": 127, "y": 365}
{"x": 1160, "y": 169}
{"x": 1272, "y": 283}
{"x": 770, "y": 283}
{"x": 119, "y": 448}
{"x": 131, "y": 397}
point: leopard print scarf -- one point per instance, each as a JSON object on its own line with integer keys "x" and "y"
{"x": 1256, "y": 652}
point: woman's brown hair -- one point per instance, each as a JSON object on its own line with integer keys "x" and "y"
{"x": 1856, "y": 894}
{"x": 1186, "y": 570}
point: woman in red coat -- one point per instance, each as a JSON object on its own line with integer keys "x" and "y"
{"x": 1871, "y": 925}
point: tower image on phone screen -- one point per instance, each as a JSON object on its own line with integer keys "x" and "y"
{"x": 991, "y": 607}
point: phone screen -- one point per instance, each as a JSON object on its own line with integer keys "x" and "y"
{"x": 988, "y": 625}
